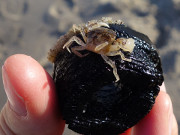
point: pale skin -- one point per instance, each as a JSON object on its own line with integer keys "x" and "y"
{"x": 31, "y": 107}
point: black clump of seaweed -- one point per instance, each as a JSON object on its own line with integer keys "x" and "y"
{"x": 90, "y": 100}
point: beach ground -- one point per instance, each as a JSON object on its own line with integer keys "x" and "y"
{"x": 33, "y": 27}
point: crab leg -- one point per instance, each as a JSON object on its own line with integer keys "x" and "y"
{"x": 76, "y": 28}
{"x": 118, "y": 53}
{"x": 78, "y": 48}
{"x": 100, "y": 24}
{"x": 71, "y": 40}
{"x": 81, "y": 30}
{"x": 101, "y": 46}
{"x": 112, "y": 64}
{"x": 94, "y": 25}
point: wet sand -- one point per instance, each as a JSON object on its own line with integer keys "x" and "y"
{"x": 32, "y": 28}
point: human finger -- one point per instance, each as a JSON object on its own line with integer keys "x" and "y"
{"x": 160, "y": 119}
{"x": 127, "y": 132}
{"x": 30, "y": 109}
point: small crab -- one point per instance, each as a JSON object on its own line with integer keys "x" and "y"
{"x": 98, "y": 38}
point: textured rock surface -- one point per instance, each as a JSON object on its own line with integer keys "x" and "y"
{"x": 24, "y": 23}
{"x": 92, "y": 103}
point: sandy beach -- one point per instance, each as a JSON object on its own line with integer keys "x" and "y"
{"x": 33, "y": 27}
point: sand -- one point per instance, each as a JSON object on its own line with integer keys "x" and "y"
{"x": 32, "y": 28}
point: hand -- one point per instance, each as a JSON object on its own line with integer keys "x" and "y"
{"x": 160, "y": 120}
{"x": 31, "y": 105}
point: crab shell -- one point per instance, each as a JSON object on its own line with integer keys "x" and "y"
{"x": 92, "y": 103}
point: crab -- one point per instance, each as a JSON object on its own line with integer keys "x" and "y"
{"x": 97, "y": 37}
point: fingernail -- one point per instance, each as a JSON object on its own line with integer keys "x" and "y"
{"x": 17, "y": 103}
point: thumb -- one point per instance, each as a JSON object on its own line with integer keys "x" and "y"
{"x": 30, "y": 109}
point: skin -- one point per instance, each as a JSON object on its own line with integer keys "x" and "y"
{"x": 31, "y": 105}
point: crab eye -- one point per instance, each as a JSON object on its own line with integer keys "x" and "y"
{"x": 124, "y": 42}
